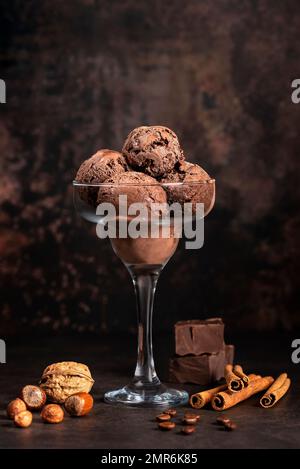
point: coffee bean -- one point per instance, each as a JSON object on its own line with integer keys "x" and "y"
{"x": 171, "y": 412}
{"x": 191, "y": 419}
{"x": 230, "y": 426}
{"x": 166, "y": 425}
{"x": 192, "y": 415}
{"x": 163, "y": 417}
{"x": 223, "y": 420}
{"x": 188, "y": 429}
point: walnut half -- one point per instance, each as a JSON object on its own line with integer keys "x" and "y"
{"x": 61, "y": 380}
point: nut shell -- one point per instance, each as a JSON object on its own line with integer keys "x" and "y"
{"x": 34, "y": 397}
{"x": 61, "y": 380}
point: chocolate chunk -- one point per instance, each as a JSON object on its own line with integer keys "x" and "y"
{"x": 229, "y": 354}
{"x": 203, "y": 369}
{"x": 196, "y": 337}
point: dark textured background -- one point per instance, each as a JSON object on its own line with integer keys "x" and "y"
{"x": 80, "y": 74}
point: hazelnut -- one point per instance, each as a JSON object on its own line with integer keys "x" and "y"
{"x": 34, "y": 397}
{"x": 15, "y": 407}
{"x": 79, "y": 404}
{"x": 23, "y": 419}
{"x": 52, "y": 413}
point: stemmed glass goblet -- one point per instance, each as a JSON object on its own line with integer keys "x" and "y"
{"x": 144, "y": 258}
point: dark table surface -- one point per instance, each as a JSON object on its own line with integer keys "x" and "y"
{"x": 112, "y": 361}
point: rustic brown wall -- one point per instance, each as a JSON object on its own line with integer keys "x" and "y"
{"x": 80, "y": 74}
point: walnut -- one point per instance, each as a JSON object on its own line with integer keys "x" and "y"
{"x": 61, "y": 380}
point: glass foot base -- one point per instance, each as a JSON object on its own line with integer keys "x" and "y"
{"x": 161, "y": 397}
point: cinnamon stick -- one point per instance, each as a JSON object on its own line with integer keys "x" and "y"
{"x": 200, "y": 399}
{"x": 225, "y": 399}
{"x": 234, "y": 382}
{"x": 238, "y": 371}
{"x": 278, "y": 389}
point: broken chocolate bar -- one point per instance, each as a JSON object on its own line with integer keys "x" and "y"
{"x": 196, "y": 337}
{"x": 229, "y": 354}
{"x": 203, "y": 369}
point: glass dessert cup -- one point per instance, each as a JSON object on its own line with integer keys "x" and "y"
{"x": 144, "y": 257}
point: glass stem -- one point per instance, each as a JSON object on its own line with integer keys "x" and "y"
{"x": 145, "y": 280}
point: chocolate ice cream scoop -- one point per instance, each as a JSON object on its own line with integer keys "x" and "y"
{"x": 196, "y": 187}
{"x": 154, "y": 251}
{"x": 186, "y": 172}
{"x": 101, "y": 166}
{"x": 154, "y": 150}
{"x": 138, "y": 187}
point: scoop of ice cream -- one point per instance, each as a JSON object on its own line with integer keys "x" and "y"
{"x": 185, "y": 172}
{"x": 138, "y": 187}
{"x": 101, "y": 166}
{"x": 196, "y": 187}
{"x": 155, "y": 251}
{"x": 154, "y": 150}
